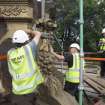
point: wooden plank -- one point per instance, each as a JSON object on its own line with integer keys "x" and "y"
{"x": 88, "y": 89}
{"x": 94, "y": 85}
{"x": 100, "y": 102}
{"x": 90, "y": 94}
{"x": 90, "y": 74}
{"x": 99, "y": 81}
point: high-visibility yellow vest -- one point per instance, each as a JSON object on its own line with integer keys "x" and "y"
{"x": 72, "y": 75}
{"x": 102, "y": 44}
{"x": 25, "y": 73}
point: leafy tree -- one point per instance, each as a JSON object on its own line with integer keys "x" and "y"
{"x": 66, "y": 14}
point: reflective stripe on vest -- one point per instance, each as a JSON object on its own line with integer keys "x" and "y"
{"x": 102, "y": 44}
{"x": 32, "y": 69}
{"x": 30, "y": 85}
{"x": 22, "y": 76}
{"x": 25, "y": 73}
{"x": 72, "y": 75}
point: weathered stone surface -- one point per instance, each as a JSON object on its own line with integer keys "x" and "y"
{"x": 16, "y": 11}
{"x": 12, "y": 27}
{"x": 52, "y": 91}
{"x": 14, "y": 0}
{"x": 16, "y": 8}
{"x": 4, "y": 2}
{"x": 17, "y": 14}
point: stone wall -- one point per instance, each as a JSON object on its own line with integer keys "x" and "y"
{"x": 16, "y": 14}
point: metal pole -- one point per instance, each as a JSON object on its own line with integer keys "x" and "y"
{"x": 81, "y": 87}
{"x": 62, "y": 60}
{"x": 43, "y": 8}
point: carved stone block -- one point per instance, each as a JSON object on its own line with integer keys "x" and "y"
{"x": 16, "y": 11}
{"x": 17, "y": 14}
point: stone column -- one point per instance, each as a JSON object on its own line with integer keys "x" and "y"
{"x": 16, "y": 14}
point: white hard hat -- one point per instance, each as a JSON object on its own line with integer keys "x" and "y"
{"x": 75, "y": 45}
{"x": 20, "y": 37}
{"x": 103, "y": 31}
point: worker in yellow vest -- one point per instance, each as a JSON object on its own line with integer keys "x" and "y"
{"x": 72, "y": 75}
{"x": 26, "y": 76}
{"x": 101, "y": 48}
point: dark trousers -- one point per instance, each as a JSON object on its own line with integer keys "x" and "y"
{"x": 12, "y": 99}
{"x": 102, "y": 72}
{"x": 24, "y": 99}
{"x": 72, "y": 88}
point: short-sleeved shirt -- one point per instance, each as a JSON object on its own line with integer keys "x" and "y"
{"x": 33, "y": 46}
{"x": 69, "y": 59}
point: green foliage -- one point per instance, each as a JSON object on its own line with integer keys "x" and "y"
{"x": 67, "y": 13}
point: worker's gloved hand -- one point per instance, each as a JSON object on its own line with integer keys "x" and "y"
{"x": 32, "y": 33}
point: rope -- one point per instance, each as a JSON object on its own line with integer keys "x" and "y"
{"x": 3, "y": 57}
{"x": 94, "y": 59}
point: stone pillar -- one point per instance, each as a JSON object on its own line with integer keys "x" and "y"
{"x": 16, "y": 14}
